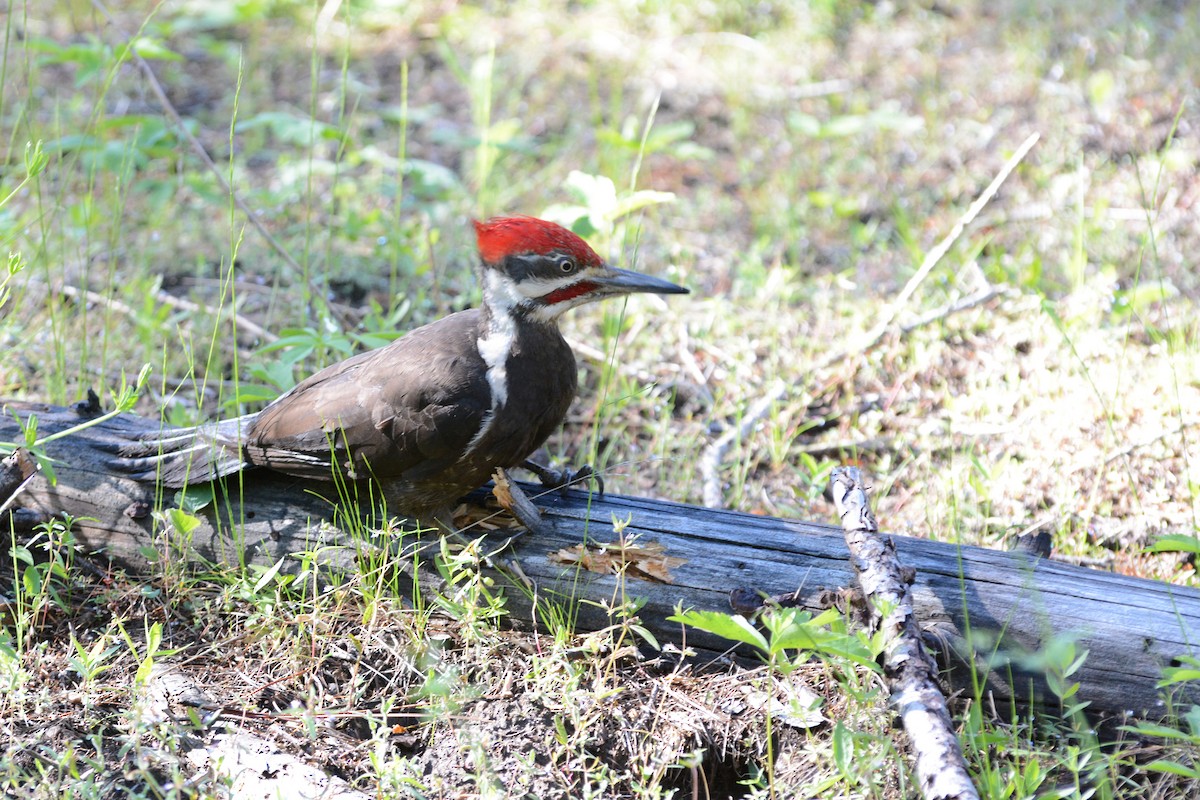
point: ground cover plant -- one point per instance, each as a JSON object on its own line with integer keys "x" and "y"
{"x": 792, "y": 163}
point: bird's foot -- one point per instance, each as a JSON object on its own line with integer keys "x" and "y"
{"x": 564, "y": 479}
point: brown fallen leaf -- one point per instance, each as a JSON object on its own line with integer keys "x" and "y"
{"x": 647, "y": 560}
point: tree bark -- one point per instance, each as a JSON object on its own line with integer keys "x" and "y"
{"x": 910, "y": 673}
{"x": 983, "y": 604}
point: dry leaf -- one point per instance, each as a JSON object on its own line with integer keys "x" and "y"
{"x": 502, "y": 488}
{"x": 799, "y": 706}
{"x": 647, "y": 561}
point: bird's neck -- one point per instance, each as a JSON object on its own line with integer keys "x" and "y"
{"x": 505, "y": 316}
{"x": 503, "y": 296}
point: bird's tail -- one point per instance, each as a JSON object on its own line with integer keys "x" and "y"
{"x": 178, "y": 457}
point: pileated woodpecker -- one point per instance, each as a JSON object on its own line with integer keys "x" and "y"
{"x": 430, "y": 416}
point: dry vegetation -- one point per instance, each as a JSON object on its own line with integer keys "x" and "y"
{"x": 815, "y": 153}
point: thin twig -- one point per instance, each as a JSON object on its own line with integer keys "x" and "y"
{"x": 954, "y": 307}
{"x": 710, "y": 461}
{"x": 714, "y": 454}
{"x": 166, "y": 298}
{"x": 243, "y": 324}
{"x": 935, "y": 255}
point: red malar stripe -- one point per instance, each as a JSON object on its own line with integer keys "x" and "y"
{"x": 569, "y": 292}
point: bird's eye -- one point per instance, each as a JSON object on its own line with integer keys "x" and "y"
{"x": 566, "y": 265}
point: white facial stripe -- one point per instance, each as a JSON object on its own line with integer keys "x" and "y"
{"x": 503, "y": 293}
{"x": 547, "y": 314}
{"x": 506, "y": 293}
{"x": 540, "y": 287}
{"x": 494, "y": 346}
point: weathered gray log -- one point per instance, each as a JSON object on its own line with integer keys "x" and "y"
{"x": 1008, "y": 602}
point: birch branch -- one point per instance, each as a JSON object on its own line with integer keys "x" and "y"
{"x": 910, "y": 672}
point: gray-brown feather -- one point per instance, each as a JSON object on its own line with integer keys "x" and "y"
{"x": 178, "y": 457}
{"x": 403, "y": 415}
{"x": 383, "y": 413}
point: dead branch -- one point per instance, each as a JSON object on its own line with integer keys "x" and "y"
{"x": 910, "y": 672}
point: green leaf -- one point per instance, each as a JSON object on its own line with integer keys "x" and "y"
{"x": 734, "y": 627}
{"x": 46, "y": 465}
{"x": 1193, "y": 721}
{"x": 181, "y": 521}
{"x": 289, "y": 128}
{"x": 195, "y": 498}
{"x": 298, "y": 341}
{"x": 646, "y": 635}
{"x": 268, "y": 576}
{"x": 1100, "y": 86}
{"x": 32, "y": 580}
{"x": 804, "y": 124}
{"x": 1175, "y": 543}
{"x": 1158, "y": 731}
{"x": 153, "y": 638}
{"x": 21, "y": 553}
{"x": 279, "y": 374}
{"x": 1172, "y": 768}
{"x": 839, "y": 127}
{"x": 35, "y": 161}
{"x": 843, "y": 748}
{"x": 73, "y": 142}
{"x": 795, "y": 629}
{"x": 256, "y": 393}
{"x": 154, "y": 50}
{"x": 29, "y": 428}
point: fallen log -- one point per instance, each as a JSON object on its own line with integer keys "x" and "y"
{"x": 985, "y": 604}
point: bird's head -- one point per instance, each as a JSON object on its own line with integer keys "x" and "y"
{"x": 540, "y": 269}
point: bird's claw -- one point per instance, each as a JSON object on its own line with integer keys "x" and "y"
{"x": 564, "y": 479}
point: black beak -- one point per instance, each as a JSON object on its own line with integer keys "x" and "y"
{"x": 623, "y": 281}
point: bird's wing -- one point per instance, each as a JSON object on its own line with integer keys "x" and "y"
{"x": 409, "y": 408}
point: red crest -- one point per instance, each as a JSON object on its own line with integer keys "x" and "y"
{"x": 501, "y": 237}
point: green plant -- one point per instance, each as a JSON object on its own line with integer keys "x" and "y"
{"x": 89, "y": 663}
{"x": 14, "y": 266}
{"x": 786, "y": 630}
{"x": 42, "y": 567}
{"x": 792, "y": 636}
{"x": 817, "y": 472}
{"x": 599, "y": 208}
{"x": 470, "y": 596}
{"x": 35, "y": 162}
{"x": 301, "y": 346}
{"x": 1183, "y": 739}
